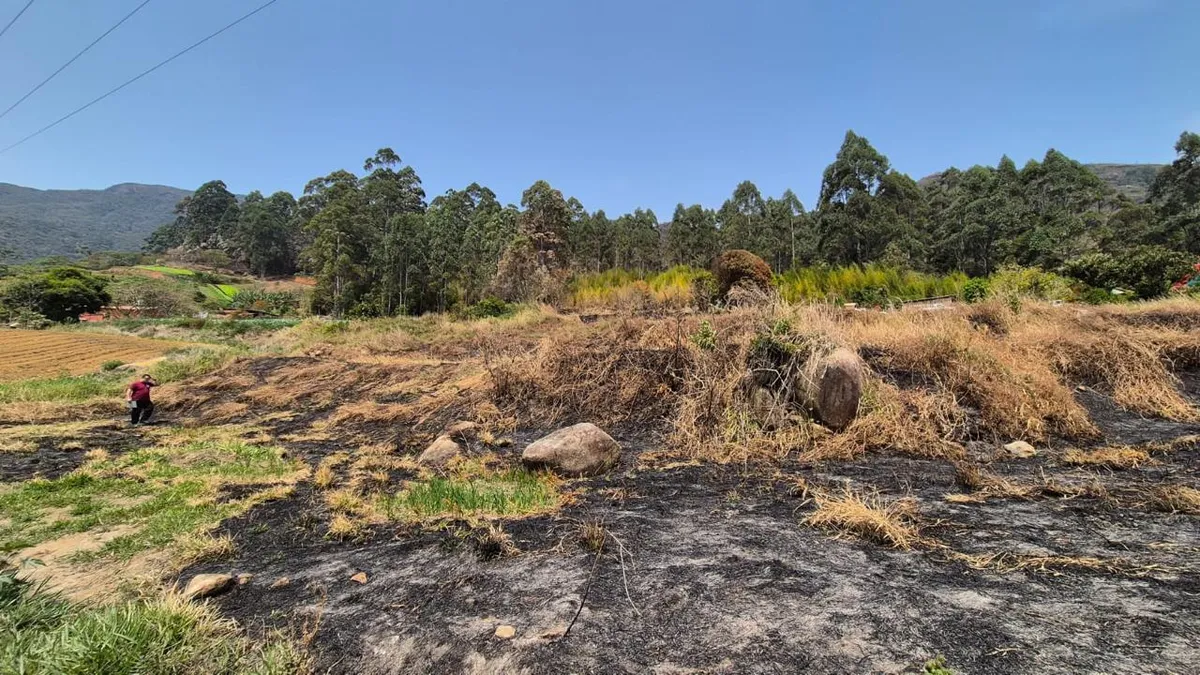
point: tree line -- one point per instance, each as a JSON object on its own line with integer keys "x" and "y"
{"x": 376, "y": 246}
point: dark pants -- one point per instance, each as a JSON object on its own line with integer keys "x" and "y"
{"x": 141, "y": 412}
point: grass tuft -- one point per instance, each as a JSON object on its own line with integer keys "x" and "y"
{"x": 868, "y": 516}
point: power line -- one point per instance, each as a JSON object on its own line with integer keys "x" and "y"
{"x": 14, "y": 19}
{"x": 130, "y": 81}
{"x": 74, "y": 58}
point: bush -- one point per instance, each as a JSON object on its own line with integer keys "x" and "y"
{"x": 111, "y": 365}
{"x": 873, "y": 296}
{"x": 736, "y": 266}
{"x": 1030, "y": 282}
{"x": 975, "y": 290}
{"x": 490, "y": 307}
{"x": 704, "y": 290}
{"x": 1148, "y": 271}
{"x": 60, "y": 294}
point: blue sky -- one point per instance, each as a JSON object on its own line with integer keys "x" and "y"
{"x": 621, "y": 104}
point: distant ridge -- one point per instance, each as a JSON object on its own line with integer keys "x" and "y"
{"x": 1131, "y": 180}
{"x": 36, "y": 223}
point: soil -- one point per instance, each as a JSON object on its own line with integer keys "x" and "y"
{"x": 711, "y": 570}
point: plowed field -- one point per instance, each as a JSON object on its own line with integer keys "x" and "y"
{"x": 33, "y": 353}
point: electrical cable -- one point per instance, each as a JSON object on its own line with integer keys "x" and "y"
{"x": 73, "y": 59}
{"x": 130, "y": 81}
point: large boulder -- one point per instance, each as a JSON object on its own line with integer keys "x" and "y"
{"x": 831, "y": 386}
{"x": 580, "y": 450}
{"x": 440, "y": 452}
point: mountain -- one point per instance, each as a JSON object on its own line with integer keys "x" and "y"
{"x": 36, "y": 223}
{"x": 1131, "y": 180}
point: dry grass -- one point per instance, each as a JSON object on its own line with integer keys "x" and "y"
{"x": 1176, "y": 499}
{"x": 592, "y": 535}
{"x": 492, "y": 541}
{"x": 869, "y": 516}
{"x": 342, "y": 527}
{"x": 1116, "y": 457}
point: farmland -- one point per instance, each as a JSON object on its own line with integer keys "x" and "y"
{"x": 29, "y": 353}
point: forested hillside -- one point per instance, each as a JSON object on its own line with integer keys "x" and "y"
{"x": 35, "y": 223}
{"x": 377, "y": 247}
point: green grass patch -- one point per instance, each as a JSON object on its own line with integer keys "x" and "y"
{"x": 514, "y": 492}
{"x": 163, "y": 269}
{"x": 44, "y": 633}
{"x": 219, "y": 293}
{"x": 163, "y": 493}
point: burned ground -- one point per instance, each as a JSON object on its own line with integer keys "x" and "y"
{"x": 709, "y": 570}
{"x": 709, "y": 547}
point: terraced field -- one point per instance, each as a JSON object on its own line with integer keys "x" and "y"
{"x": 32, "y": 353}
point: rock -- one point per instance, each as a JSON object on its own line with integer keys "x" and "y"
{"x": 359, "y": 578}
{"x": 208, "y": 585}
{"x": 766, "y": 410}
{"x": 461, "y": 431}
{"x": 505, "y": 632}
{"x": 580, "y": 450}
{"x": 1020, "y": 450}
{"x": 831, "y": 387}
{"x": 280, "y": 583}
{"x": 243, "y": 579}
{"x": 440, "y": 452}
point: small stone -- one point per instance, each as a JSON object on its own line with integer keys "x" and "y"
{"x": 505, "y": 632}
{"x": 1020, "y": 450}
{"x": 243, "y": 579}
{"x": 360, "y": 578}
{"x": 207, "y": 585}
{"x": 280, "y": 582}
{"x": 440, "y": 452}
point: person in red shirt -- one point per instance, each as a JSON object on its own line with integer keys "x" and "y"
{"x": 138, "y": 395}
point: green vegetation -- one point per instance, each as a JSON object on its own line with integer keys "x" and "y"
{"x": 59, "y": 294}
{"x": 160, "y": 494}
{"x": 44, "y": 633}
{"x": 172, "y": 271}
{"x": 812, "y": 284}
{"x": 508, "y": 493}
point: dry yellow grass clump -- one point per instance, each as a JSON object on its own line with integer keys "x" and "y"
{"x": 867, "y": 515}
{"x": 1116, "y": 457}
{"x": 1176, "y": 499}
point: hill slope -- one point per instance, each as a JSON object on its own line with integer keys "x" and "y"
{"x": 37, "y": 223}
{"x": 1131, "y": 180}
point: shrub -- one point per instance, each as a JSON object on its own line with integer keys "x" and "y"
{"x": 271, "y": 302}
{"x": 60, "y": 294}
{"x": 705, "y": 337}
{"x": 736, "y": 266}
{"x": 1031, "y": 282}
{"x": 704, "y": 290}
{"x": 1148, "y": 271}
{"x": 490, "y": 307}
{"x": 872, "y": 296}
{"x": 975, "y": 290}
{"x": 111, "y": 365}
